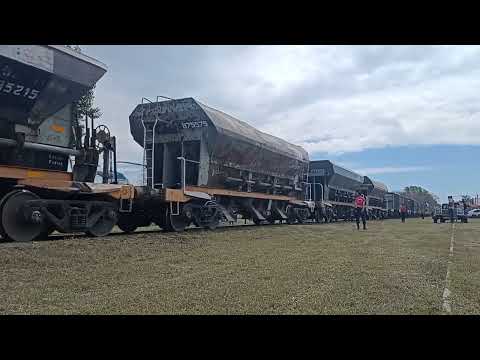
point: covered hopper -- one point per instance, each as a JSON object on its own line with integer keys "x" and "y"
{"x": 226, "y": 148}
{"x": 36, "y": 81}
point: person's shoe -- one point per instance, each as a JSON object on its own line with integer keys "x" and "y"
{"x": 364, "y": 228}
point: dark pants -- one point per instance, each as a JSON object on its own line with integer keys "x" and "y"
{"x": 403, "y": 216}
{"x": 360, "y": 213}
{"x": 450, "y": 213}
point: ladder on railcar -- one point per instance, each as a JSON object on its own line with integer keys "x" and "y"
{"x": 148, "y": 148}
{"x": 149, "y": 127}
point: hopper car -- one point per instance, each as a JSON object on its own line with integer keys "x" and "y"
{"x": 376, "y": 204}
{"x": 203, "y": 166}
{"x": 40, "y": 136}
{"x": 393, "y": 202}
{"x": 333, "y": 189}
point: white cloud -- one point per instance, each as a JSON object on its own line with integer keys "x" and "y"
{"x": 391, "y": 169}
{"x": 329, "y": 99}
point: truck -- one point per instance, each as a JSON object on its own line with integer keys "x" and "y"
{"x": 449, "y": 211}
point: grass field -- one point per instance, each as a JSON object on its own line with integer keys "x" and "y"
{"x": 392, "y": 268}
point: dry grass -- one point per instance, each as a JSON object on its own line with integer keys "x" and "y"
{"x": 392, "y": 268}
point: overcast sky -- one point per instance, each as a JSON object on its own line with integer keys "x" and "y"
{"x": 396, "y": 113}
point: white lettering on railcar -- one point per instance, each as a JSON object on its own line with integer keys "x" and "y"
{"x": 194, "y": 124}
{"x": 18, "y": 90}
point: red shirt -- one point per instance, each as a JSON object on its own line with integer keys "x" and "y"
{"x": 359, "y": 201}
{"x": 403, "y": 209}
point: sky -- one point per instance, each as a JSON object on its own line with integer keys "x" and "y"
{"x": 404, "y": 115}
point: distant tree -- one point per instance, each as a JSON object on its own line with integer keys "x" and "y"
{"x": 421, "y": 195}
{"x": 415, "y": 189}
{"x": 468, "y": 199}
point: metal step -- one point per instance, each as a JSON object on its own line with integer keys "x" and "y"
{"x": 226, "y": 213}
{"x": 280, "y": 213}
{"x": 255, "y": 212}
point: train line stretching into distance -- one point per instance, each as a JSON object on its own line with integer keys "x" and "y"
{"x": 201, "y": 166}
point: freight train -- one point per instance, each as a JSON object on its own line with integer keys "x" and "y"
{"x": 203, "y": 166}
{"x": 200, "y": 165}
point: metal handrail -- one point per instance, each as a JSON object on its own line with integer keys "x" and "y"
{"x": 129, "y": 162}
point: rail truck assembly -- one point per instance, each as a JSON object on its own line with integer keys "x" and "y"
{"x": 40, "y": 134}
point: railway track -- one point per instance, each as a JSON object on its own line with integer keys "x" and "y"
{"x": 221, "y": 228}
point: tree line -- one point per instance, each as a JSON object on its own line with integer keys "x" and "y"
{"x": 421, "y": 195}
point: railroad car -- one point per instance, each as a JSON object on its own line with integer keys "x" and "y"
{"x": 394, "y": 200}
{"x": 376, "y": 203}
{"x": 39, "y": 136}
{"x": 333, "y": 187}
{"x": 202, "y": 165}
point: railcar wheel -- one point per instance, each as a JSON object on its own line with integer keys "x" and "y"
{"x": 176, "y": 223}
{"x": 257, "y": 221}
{"x": 103, "y": 226}
{"x": 213, "y": 224}
{"x": 127, "y": 228}
{"x": 301, "y": 216}
{"x": 14, "y": 226}
{"x": 126, "y": 225}
{"x": 3, "y": 237}
{"x": 2, "y": 201}
{"x": 291, "y": 216}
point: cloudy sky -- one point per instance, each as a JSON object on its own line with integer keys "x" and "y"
{"x": 406, "y": 115}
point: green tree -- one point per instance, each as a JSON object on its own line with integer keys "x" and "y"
{"x": 85, "y": 105}
{"x": 415, "y": 189}
{"x": 421, "y": 195}
{"x": 467, "y": 199}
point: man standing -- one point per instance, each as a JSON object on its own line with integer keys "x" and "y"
{"x": 360, "y": 203}
{"x": 451, "y": 208}
{"x": 403, "y": 212}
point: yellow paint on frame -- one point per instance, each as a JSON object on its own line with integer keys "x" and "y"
{"x": 34, "y": 174}
{"x": 57, "y": 128}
